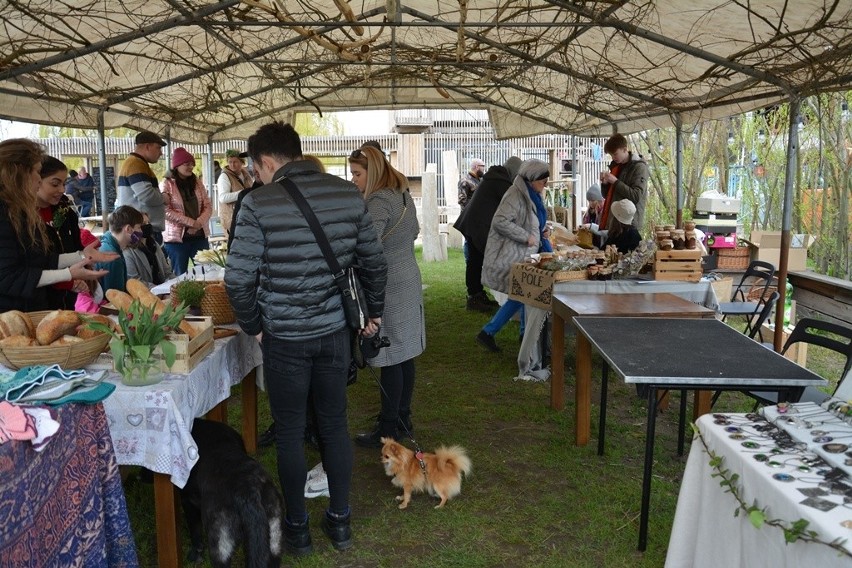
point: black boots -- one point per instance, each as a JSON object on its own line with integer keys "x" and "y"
{"x": 481, "y": 303}
{"x": 487, "y": 341}
{"x": 383, "y": 429}
{"x": 336, "y": 528}
{"x": 297, "y": 538}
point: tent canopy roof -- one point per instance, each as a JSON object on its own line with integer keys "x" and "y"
{"x": 208, "y": 70}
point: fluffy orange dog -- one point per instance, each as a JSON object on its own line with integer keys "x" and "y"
{"x": 443, "y": 474}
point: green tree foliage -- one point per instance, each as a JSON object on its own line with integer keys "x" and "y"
{"x": 746, "y": 156}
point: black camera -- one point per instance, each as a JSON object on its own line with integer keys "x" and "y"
{"x": 370, "y": 346}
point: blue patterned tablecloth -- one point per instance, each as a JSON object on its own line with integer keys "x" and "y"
{"x": 65, "y": 506}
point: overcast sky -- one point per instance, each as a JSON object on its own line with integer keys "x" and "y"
{"x": 355, "y": 123}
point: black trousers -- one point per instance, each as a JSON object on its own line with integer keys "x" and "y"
{"x": 473, "y": 270}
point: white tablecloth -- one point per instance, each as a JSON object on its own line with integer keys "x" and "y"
{"x": 150, "y": 426}
{"x": 706, "y": 532}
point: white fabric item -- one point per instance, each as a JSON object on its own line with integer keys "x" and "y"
{"x": 707, "y": 534}
{"x": 316, "y": 484}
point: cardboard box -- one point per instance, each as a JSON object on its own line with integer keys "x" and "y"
{"x": 532, "y": 286}
{"x": 798, "y": 352}
{"x": 718, "y": 203}
{"x": 766, "y": 246}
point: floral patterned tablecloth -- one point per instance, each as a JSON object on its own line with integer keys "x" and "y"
{"x": 150, "y": 426}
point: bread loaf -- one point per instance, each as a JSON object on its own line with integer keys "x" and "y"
{"x": 83, "y": 330}
{"x": 67, "y": 340}
{"x": 16, "y": 323}
{"x": 56, "y": 324}
{"x": 18, "y": 341}
{"x": 120, "y": 300}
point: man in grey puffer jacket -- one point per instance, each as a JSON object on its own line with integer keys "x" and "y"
{"x": 279, "y": 283}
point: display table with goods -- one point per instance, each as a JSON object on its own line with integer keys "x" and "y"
{"x": 149, "y": 420}
{"x": 575, "y": 270}
{"x": 767, "y": 489}
{"x": 735, "y": 363}
{"x": 61, "y": 494}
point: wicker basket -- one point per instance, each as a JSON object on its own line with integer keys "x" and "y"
{"x": 74, "y": 356}
{"x": 754, "y": 293}
{"x": 216, "y": 305}
{"x": 733, "y": 259}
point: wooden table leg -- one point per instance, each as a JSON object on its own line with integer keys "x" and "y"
{"x": 165, "y": 516}
{"x": 702, "y": 403}
{"x": 218, "y": 413}
{"x": 249, "y": 395}
{"x": 557, "y": 363}
{"x": 583, "y": 396}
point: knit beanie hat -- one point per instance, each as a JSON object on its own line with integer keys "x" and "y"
{"x": 512, "y": 165}
{"x": 534, "y": 170}
{"x": 594, "y": 193}
{"x": 180, "y": 157}
{"x": 624, "y": 211}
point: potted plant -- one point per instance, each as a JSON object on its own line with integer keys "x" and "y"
{"x": 142, "y": 331}
{"x": 190, "y": 293}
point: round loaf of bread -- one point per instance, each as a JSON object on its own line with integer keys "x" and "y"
{"x": 16, "y": 323}
{"x": 18, "y": 341}
{"x": 83, "y": 330}
{"x": 56, "y": 324}
{"x": 67, "y": 340}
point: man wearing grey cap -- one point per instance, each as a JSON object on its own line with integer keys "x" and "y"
{"x": 470, "y": 181}
{"x": 137, "y": 184}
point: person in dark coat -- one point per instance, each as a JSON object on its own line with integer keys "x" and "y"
{"x": 279, "y": 283}
{"x": 475, "y": 222}
{"x": 622, "y": 234}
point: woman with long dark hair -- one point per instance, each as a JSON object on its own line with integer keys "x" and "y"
{"x": 29, "y": 263}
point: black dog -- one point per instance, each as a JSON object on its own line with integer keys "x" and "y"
{"x": 231, "y": 498}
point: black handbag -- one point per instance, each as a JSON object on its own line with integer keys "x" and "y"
{"x": 354, "y": 300}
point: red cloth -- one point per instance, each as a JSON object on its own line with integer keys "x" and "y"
{"x": 608, "y": 200}
{"x": 87, "y": 238}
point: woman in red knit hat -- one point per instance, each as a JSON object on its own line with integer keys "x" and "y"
{"x": 188, "y": 211}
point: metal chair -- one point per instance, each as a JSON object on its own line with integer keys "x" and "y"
{"x": 754, "y": 326}
{"x": 757, "y": 272}
{"x": 809, "y": 330}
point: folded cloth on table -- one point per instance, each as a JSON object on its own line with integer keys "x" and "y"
{"x": 29, "y": 378}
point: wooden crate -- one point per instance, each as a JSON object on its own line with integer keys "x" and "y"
{"x": 678, "y": 265}
{"x": 190, "y": 352}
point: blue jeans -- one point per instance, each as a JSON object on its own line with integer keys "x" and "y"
{"x": 85, "y": 208}
{"x": 503, "y": 315}
{"x": 180, "y": 253}
{"x": 293, "y": 369}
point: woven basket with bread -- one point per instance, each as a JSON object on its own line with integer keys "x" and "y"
{"x": 46, "y": 338}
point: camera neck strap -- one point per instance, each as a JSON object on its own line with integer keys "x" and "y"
{"x": 313, "y": 223}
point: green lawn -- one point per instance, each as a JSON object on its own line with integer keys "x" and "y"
{"x": 534, "y": 499}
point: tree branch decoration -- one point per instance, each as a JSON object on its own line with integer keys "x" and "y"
{"x": 793, "y": 531}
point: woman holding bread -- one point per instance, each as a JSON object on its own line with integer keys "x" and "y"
{"x": 29, "y": 265}
{"x": 188, "y": 211}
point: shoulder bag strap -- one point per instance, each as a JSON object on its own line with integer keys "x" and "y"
{"x": 308, "y": 213}
{"x": 404, "y": 209}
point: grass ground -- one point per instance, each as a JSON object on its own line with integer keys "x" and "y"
{"x": 534, "y": 499}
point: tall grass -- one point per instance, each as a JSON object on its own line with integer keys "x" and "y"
{"x": 534, "y": 498}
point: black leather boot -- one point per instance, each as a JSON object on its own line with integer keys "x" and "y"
{"x": 337, "y": 529}
{"x": 297, "y": 538}
{"x": 404, "y": 425}
{"x": 383, "y": 429}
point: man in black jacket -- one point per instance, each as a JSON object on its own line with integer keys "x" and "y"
{"x": 475, "y": 222}
{"x": 279, "y": 283}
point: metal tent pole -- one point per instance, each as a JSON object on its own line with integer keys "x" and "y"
{"x": 787, "y": 217}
